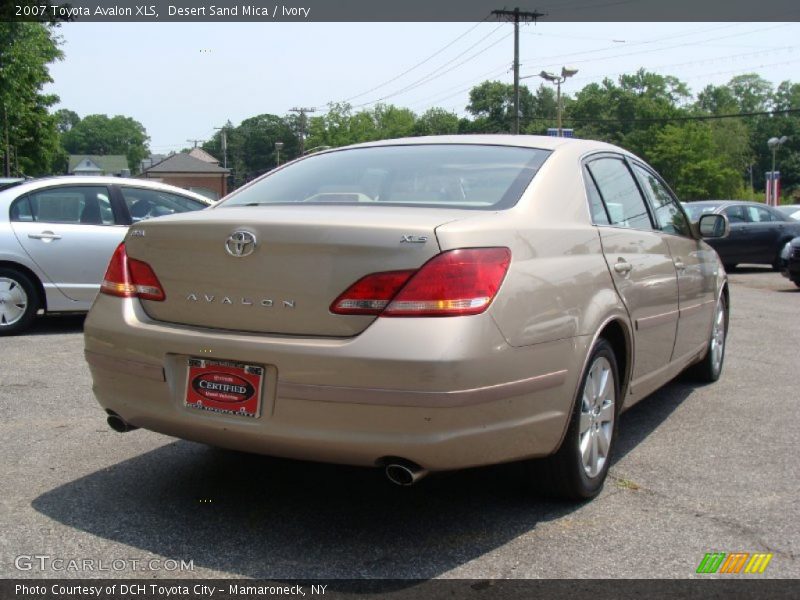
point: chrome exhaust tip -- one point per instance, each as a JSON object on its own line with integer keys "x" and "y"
{"x": 404, "y": 473}
{"x": 119, "y": 424}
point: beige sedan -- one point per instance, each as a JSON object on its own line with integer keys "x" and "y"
{"x": 416, "y": 305}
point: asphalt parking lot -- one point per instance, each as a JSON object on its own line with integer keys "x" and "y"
{"x": 697, "y": 469}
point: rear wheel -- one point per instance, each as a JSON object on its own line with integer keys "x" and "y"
{"x": 579, "y": 468}
{"x": 709, "y": 369}
{"x": 19, "y": 301}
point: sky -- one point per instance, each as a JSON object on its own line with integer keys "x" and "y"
{"x": 180, "y": 80}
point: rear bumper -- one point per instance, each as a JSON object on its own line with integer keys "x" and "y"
{"x": 443, "y": 393}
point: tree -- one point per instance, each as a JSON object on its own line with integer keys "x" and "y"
{"x": 29, "y": 135}
{"x": 686, "y": 158}
{"x": 436, "y": 121}
{"x": 66, "y": 119}
{"x": 492, "y": 105}
{"x": 717, "y": 100}
{"x": 393, "y": 122}
{"x": 752, "y": 92}
{"x": 99, "y": 134}
{"x": 544, "y": 111}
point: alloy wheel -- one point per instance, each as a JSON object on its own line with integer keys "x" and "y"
{"x": 718, "y": 337}
{"x": 597, "y": 416}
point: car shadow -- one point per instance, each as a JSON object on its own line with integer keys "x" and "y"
{"x": 261, "y": 517}
{"x": 56, "y": 324}
{"x": 749, "y": 268}
{"x": 643, "y": 418}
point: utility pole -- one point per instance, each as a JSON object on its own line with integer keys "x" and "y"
{"x": 302, "y": 112}
{"x": 224, "y": 142}
{"x": 516, "y": 16}
{"x": 7, "y": 151}
{"x": 195, "y": 142}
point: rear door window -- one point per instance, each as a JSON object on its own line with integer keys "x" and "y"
{"x": 736, "y": 214}
{"x": 756, "y": 214}
{"x": 73, "y": 205}
{"x": 669, "y": 216}
{"x": 146, "y": 203}
{"x": 623, "y": 201}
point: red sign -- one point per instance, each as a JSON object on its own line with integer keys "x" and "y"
{"x": 224, "y": 387}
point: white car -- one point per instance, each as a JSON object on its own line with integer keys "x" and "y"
{"x": 57, "y": 235}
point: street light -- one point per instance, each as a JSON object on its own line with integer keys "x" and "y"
{"x": 551, "y": 77}
{"x": 773, "y": 144}
{"x": 278, "y": 147}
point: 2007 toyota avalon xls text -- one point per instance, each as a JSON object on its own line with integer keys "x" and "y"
{"x": 417, "y": 305}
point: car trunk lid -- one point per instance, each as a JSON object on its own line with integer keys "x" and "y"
{"x": 303, "y": 258}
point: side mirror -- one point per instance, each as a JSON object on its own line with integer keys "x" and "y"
{"x": 714, "y": 226}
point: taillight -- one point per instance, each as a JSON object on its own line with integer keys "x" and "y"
{"x": 131, "y": 278}
{"x": 456, "y": 282}
{"x": 370, "y": 295}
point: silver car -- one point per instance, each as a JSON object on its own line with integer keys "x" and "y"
{"x": 416, "y": 305}
{"x": 57, "y": 235}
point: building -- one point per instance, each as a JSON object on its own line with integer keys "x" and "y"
{"x": 187, "y": 171}
{"x": 93, "y": 164}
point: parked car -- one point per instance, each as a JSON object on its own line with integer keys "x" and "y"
{"x": 758, "y": 232}
{"x": 419, "y": 305}
{"x": 57, "y": 235}
{"x": 790, "y": 261}
{"x": 7, "y": 182}
{"x": 790, "y": 210}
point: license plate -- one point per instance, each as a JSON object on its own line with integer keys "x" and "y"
{"x": 225, "y": 387}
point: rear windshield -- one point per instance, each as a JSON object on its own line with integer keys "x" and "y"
{"x": 429, "y": 175}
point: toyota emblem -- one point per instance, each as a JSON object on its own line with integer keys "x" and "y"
{"x": 240, "y": 243}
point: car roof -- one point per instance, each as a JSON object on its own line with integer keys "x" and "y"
{"x": 542, "y": 142}
{"x": 725, "y": 203}
{"x": 44, "y": 182}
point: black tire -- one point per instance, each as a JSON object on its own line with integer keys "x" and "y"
{"x": 16, "y": 288}
{"x": 709, "y": 369}
{"x": 796, "y": 282}
{"x": 563, "y": 475}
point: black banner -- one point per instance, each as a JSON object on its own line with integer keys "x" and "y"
{"x": 390, "y": 11}
{"x": 399, "y": 589}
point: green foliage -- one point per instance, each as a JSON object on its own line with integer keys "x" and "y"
{"x": 99, "y": 134}
{"x": 649, "y": 114}
{"x": 437, "y": 121}
{"x": 686, "y": 158}
{"x": 26, "y": 129}
{"x": 492, "y": 105}
{"x": 251, "y": 145}
{"x": 66, "y": 119}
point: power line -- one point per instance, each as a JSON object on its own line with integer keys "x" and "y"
{"x": 593, "y": 51}
{"x": 598, "y": 58}
{"x": 426, "y": 78}
{"x": 419, "y": 64}
{"x": 471, "y": 83}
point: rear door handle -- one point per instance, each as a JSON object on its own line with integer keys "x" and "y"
{"x": 622, "y": 267}
{"x": 679, "y": 264}
{"x": 45, "y": 235}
